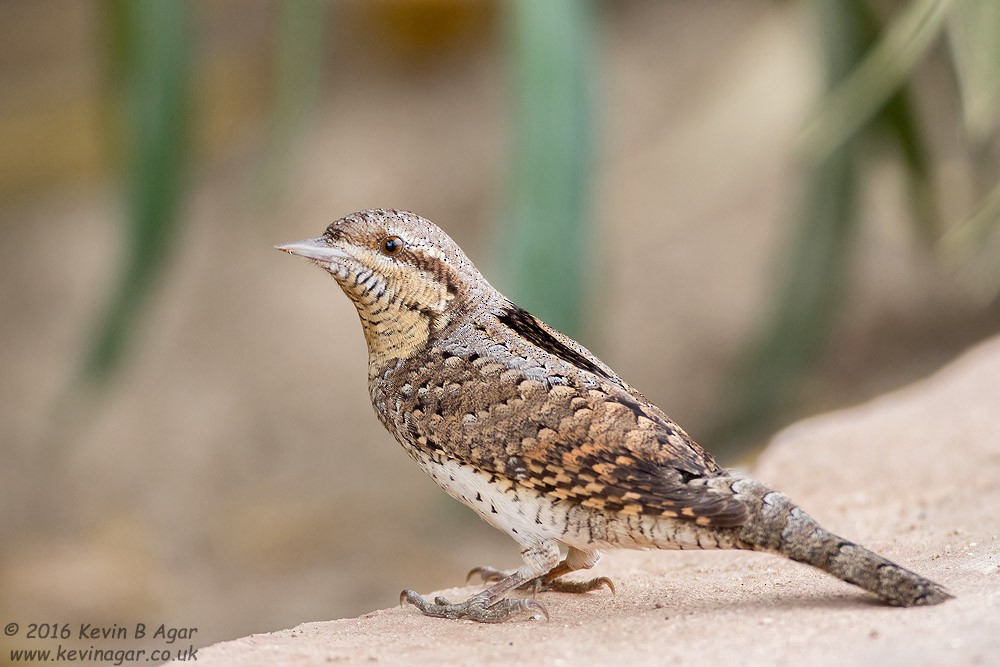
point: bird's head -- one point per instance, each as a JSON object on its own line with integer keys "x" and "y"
{"x": 406, "y": 277}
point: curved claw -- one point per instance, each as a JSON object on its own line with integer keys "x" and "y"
{"x": 535, "y": 604}
{"x": 486, "y": 573}
{"x": 610, "y": 584}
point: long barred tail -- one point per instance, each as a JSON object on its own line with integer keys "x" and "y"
{"x": 778, "y": 525}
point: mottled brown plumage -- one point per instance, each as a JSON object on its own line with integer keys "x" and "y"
{"x": 539, "y": 437}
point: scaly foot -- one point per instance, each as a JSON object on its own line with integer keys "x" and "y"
{"x": 477, "y": 608}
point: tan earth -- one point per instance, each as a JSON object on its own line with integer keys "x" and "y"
{"x": 914, "y": 474}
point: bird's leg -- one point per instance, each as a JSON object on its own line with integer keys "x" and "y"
{"x": 491, "y": 605}
{"x": 551, "y": 580}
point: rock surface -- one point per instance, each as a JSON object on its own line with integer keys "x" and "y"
{"x": 914, "y": 475}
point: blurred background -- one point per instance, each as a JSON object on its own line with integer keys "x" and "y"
{"x": 753, "y": 210}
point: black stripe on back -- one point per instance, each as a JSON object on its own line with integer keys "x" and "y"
{"x": 528, "y": 326}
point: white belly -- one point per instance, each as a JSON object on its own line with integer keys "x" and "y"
{"x": 530, "y": 518}
{"x": 525, "y": 516}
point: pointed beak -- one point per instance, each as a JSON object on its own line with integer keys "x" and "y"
{"x": 315, "y": 249}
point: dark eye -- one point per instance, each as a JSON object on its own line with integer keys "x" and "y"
{"x": 392, "y": 245}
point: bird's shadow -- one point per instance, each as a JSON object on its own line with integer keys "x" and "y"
{"x": 777, "y": 602}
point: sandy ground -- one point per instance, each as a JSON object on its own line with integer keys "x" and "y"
{"x": 913, "y": 474}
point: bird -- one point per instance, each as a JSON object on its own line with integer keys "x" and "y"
{"x": 542, "y": 439}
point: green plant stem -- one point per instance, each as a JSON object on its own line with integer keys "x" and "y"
{"x": 549, "y": 228}
{"x": 150, "y": 62}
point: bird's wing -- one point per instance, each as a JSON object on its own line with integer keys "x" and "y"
{"x": 622, "y": 455}
{"x": 593, "y": 443}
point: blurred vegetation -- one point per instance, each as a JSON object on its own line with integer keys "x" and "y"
{"x": 871, "y": 64}
{"x": 548, "y": 228}
{"x": 549, "y": 224}
{"x": 148, "y": 68}
{"x": 297, "y": 73}
{"x": 872, "y": 61}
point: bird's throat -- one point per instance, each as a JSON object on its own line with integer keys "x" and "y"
{"x": 398, "y": 332}
{"x": 398, "y": 324}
